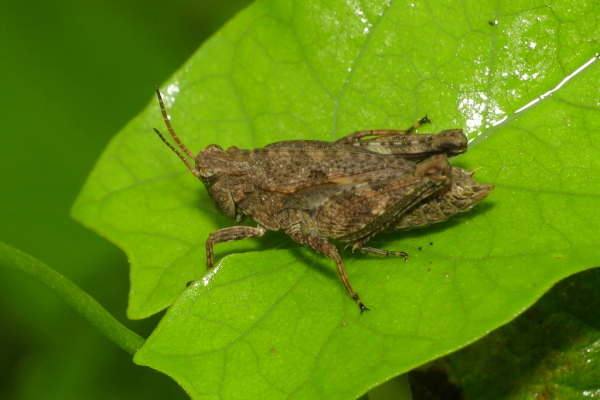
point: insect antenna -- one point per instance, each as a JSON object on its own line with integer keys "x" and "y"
{"x": 168, "y": 124}
{"x": 174, "y": 136}
{"x": 181, "y": 156}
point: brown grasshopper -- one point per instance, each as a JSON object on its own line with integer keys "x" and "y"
{"x": 347, "y": 190}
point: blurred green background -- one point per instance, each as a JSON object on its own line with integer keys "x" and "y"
{"x": 73, "y": 73}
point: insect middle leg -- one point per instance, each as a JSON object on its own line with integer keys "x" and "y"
{"x": 229, "y": 234}
{"x": 383, "y": 253}
{"x": 327, "y": 249}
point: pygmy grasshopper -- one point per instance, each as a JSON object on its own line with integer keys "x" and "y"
{"x": 347, "y": 190}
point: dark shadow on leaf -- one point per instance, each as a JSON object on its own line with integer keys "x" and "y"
{"x": 316, "y": 261}
{"x": 384, "y": 240}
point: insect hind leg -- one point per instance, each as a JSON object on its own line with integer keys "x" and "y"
{"x": 322, "y": 246}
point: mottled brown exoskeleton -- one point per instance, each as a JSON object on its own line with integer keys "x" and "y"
{"x": 347, "y": 190}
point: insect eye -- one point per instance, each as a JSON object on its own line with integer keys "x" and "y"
{"x": 213, "y": 147}
{"x": 207, "y": 175}
{"x": 451, "y": 141}
{"x": 434, "y": 170}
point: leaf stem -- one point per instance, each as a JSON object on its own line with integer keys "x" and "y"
{"x": 82, "y": 302}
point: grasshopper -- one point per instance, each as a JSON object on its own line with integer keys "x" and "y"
{"x": 348, "y": 190}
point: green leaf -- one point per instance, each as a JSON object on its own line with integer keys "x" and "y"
{"x": 277, "y": 322}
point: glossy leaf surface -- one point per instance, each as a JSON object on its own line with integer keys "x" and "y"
{"x": 277, "y": 322}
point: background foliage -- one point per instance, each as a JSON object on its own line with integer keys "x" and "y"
{"x": 73, "y": 74}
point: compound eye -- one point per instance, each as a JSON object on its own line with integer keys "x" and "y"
{"x": 213, "y": 147}
{"x": 208, "y": 175}
{"x": 436, "y": 168}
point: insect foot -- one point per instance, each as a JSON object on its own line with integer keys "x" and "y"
{"x": 348, "y": 190}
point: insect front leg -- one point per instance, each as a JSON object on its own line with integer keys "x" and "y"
{"x": 327, "y": 249}
{"x": 356, "y": 136}
{"x": 229, "y": 234}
